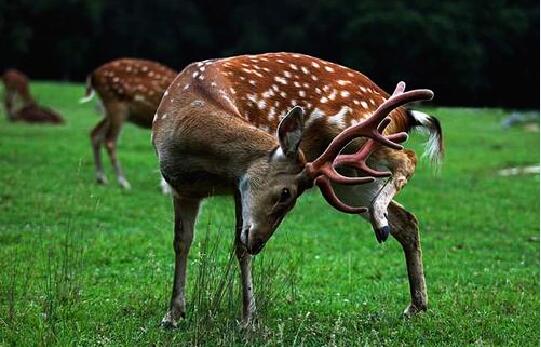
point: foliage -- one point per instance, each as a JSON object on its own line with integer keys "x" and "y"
{"x": 89, "y": 265}
{"x": 469, "y": 52}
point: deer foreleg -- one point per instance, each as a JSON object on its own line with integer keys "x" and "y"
{"x": 185, "y": 214}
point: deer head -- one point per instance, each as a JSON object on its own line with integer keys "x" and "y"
{"x": 271, "y": 185}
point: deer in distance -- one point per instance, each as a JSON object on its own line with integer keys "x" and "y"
{"x": 19, "y": 103}
{"x": 128, "y": 90}
{"x": 265, "y": 128}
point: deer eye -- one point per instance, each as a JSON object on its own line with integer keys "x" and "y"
{"x": 285, "y": 195}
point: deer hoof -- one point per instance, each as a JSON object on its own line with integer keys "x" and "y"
{"x": 382, "y": 234}
{"x": 412, "y": 310}
{"x": 101, "y": 179}
{"x": 124, "y": 184}
{"x": 172, "y": 319}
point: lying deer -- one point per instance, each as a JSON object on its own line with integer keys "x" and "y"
{"x": 19, "y": 103}
{"x": 128, "y": 89}
{"x": 265, "y": 128}
{"x": 16, "y": 92}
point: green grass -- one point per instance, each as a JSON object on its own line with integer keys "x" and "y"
{"x": 83, "y": 264}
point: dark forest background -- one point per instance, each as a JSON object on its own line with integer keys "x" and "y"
{"x": 478, "y": 53}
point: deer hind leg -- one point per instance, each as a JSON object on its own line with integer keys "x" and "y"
{"x": 116, "y": 113}
{"x": 245, "y": 264}
{"x": 186, "y": 211}
{"x": 402, "y": 165}
{"x": 97, "y": 137}
{"x": 405, "y": 229}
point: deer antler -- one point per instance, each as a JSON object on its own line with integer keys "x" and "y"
{"x": 323, "y": 169}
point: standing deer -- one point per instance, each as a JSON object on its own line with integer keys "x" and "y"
{"x": 16, "y": 92}
{"x": 264, "y": 128}
{"x": 129, "y": 89}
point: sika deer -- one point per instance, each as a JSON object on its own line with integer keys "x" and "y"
{"x": 264, "y": 128}
{"x": 16, "y": 92}
{"x": 129, "y": 89}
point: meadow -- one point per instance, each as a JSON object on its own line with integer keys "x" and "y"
{"x": 83, "y": 264}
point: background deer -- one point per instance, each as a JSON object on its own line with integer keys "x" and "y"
{"x": 215, "y": 133}
{"x": 19, "y": 103}
{"x": 16, "y": 92}
{"x": 128, "y": 89}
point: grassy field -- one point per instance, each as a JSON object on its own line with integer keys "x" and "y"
{"x": 83, "y": 264}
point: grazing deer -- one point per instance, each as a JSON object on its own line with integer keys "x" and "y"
{"x": 16, "y": 92}
{"x": 128, "y": 89}
{"x": 214, "y": 133}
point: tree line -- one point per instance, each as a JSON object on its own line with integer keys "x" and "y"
{"x": 471, "y": 53}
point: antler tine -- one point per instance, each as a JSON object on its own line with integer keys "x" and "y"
{"x": 328, "y": 193}
{"x": 323, "y": 169}
{"x": 330, "y": 172}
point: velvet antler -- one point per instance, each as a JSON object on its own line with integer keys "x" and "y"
{"x": 323, "y": 169}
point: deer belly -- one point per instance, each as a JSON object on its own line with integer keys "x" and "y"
{"x": 189, "y": 179}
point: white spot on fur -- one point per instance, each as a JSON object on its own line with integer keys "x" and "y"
{"x": 344, "y": 93}
{"x": 340, "y": 118}
{"x": 261, "y": 104}
{"x": 332, "y": 96}
{"x": 329, "y": 69}
{"x": 323, "y": 100}
{"x": 280, "y": 79}
{"x": 364, "y": 105}
{"x": 343, "y": 82}
{"x": 268, "y": 93}
{"x": 272, "y": 112}
{"x": 302, "y": 93}
{"x": 316, "y": 65}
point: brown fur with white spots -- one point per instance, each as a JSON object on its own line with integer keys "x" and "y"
{"x": 215, "y": 133}
{"x": 129, "y": 90}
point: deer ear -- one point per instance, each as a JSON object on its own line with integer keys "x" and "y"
{"x": 290, "y": 131}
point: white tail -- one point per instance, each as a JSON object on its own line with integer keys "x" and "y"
{"x": 434, "y": 147}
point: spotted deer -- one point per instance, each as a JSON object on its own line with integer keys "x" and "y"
{"x": 128, "y": 89}
{"x": 16, "y": 92}
{"x": 265, "y": 128}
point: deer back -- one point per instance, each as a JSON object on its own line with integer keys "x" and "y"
{"x": 137, "y": 83}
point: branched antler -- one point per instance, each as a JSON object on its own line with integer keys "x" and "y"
{"x": 323, "y": 169}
